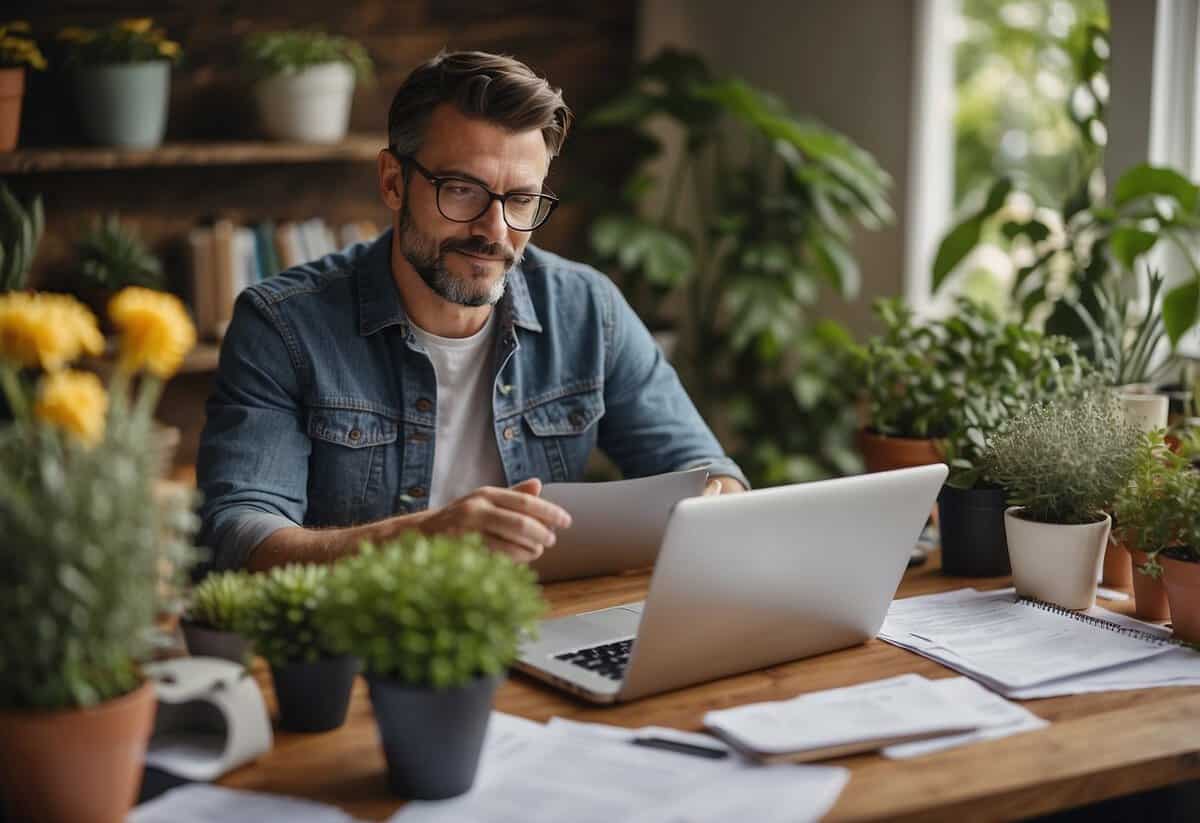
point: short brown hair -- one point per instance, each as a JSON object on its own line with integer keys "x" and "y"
{"x": 495, "y": 87}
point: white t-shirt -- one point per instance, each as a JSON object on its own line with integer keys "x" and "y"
{"x": 465, "y": 455}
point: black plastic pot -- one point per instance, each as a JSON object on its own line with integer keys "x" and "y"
{"x": 972, "y": 529}
{"x": 431, "y": 738}
{"x": 204, "y": 641}
{"x": 314, "y": 697}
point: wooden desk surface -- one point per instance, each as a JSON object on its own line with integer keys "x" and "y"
{"x": 1097, "y": 746}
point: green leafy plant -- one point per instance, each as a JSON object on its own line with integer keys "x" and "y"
{"x": 1065, "y": 460}
{"x": 125, "y": 41}
{"x": 21, "y": 229}
{"x": 18, "y": 48}
{"x": 754, "y": 217}
{"x": 269, "y": 53}
{"x": 221, "y": 600}
{"x": 113, "y": 256}
{"x": 1124, "y": 345}
{"x": 281, "y": 618}
{"x": 434, "y": 611}
{"x": 1159, "y": 508}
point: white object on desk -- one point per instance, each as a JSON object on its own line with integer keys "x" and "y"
{"x": 211, "y": 717}
{"x": 201, "y": 803}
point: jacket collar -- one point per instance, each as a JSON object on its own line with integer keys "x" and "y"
{"x": 379, "y": 304}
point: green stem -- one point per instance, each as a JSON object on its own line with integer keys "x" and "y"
{"x": 148, "y": 393}
{"x": 10, "y": 382}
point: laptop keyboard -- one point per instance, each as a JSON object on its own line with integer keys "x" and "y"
{"x": 607, "y": 660}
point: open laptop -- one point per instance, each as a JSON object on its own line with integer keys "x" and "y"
{"x": 745, "y": 581}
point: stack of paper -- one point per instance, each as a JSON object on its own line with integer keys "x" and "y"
{"x": 201, "y": 803}
{"x": 1024, "y": 652}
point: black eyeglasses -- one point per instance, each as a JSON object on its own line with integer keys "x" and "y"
{"x": 465, "y": 201}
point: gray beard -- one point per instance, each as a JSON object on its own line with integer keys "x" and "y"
{"x": 429, "y": 261}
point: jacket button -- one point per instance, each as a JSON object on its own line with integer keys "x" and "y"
{"x": 424, "y": 404}
{"x": 509, "y": 433}
{"x": 416, "y": 491}
{"x": 355, "y": 435}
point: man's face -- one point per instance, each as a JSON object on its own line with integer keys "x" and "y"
{"x": 468, "y": 263}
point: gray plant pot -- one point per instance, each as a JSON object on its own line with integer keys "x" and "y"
{"x": 203, "y": 641}
{"x": 314, "y": 697}
{"x": 971, "y": 522}
{"x": 124, "y": 104}
{"x": 431, "y": 739}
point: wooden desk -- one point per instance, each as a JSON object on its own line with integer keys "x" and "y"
{"x": 1097, "y": 746}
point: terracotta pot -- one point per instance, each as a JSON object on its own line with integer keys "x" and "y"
{"x": 76, "y": 765}
{"x": 1118, "y": 571}
{"x": 12, "y": 89}
{"x": 1182, "y": 581}
{"x": 1056, "y": 563}
{"x": 883, "y": 453}
{"x": 1149, "y": 594}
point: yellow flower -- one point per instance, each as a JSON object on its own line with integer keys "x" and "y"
{"x": 168, "y": 48}
{"x": 74, "y": 401}
{"x": 46, "y": 330}
{"x": 140, "y": 25}
{"x": 156, "y": 331}
{"x": 74, "y": 34}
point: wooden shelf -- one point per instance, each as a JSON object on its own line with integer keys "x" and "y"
{"x": 200, "y": 360}
{"x": 355, "y": 148}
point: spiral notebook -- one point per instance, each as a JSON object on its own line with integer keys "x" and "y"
{"x": 1012, "y": 643}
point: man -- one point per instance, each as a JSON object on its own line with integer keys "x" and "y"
{"x": 434, "y": 378}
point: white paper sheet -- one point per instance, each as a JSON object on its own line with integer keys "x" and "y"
{"x": 202, "y": 803}
{"x": 1001, "y": 719}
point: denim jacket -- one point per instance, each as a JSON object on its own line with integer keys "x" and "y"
{"x": 323, "y": 412}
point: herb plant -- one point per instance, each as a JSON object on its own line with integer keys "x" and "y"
{"x": 1065, "y": 460}
{"x": 281, "y": 618}
{"x": 220, "y": 601}
{"x": 434, "y": 611}
{"x": 113, "y": 256}
{"x": 270, "y": 53}
{"x": 126, "y": 41}
{"x": 1159, "y": 509}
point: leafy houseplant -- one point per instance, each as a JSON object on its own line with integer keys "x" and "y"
{"x": 18, "y": 52}
{"x": 742, "y": 242}
{"x": 1062, "y": 464}
{"x": 122, "y": 77}
{"x": 215, "y": 620}
{"x": 93, "y": 552}
{"x": 113, "y": 256}
{"x": 312, "y": 684}
{"x": 20, "y": 233}
{"x": 304, "y": 82}
{"x": 435, "y": 621}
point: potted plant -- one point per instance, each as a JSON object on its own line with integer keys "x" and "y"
{"x": 112, "y": 256}
{"x": 304, "y": 82}
{"x": 1154, "y": 512}
{"x": 20, "y": 233}
{"x": 18, "y": 52}
{"x": 215, "y": 619}
{"x": 435, "y": 621}
{"x": 312, "y": 684}
{"x": 93, "y": 553}
{"x": 1062, "y": 463}
{"x": 122, "y": 79}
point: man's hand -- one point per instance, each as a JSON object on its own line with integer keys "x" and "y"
{"x": 515, "y": 521}
{"x": 723, "y": 484}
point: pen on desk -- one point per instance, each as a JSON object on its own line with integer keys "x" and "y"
{"x": 680, "y": 748}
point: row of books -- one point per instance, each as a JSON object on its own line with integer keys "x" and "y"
{"x": 227, "y": 257}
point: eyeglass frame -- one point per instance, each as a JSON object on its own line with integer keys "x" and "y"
{"x": 437, "y": 182}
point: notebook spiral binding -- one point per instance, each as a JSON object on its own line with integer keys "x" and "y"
{"x": 1101, "y": 623}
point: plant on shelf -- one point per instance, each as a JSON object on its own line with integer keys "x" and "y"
{"x": 304, "y": 82}
{"x": 435, "y": 621}
{"x": 113, "y": 256}
{"x": 19, "y": 52}
{"x": 21, "y": 229}
{"x": 94, "y": 551}
{"x": 122, "y": 79}
{"x": 214, "y": 621}
{"x": 1062, "y": 464}
{"x": 733, "y": 246}
{"x": 1158, "y": 520}
{"x": 312, "y": 683}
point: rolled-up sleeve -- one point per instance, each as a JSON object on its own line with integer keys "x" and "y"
{"x": 252, "y": 467}
{"x": 650, "y": 425}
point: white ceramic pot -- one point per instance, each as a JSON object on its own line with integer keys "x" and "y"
{"x": 1146, "y": 411}
{"x": 1056, "y": 563}
{"x": 311, "y": 105}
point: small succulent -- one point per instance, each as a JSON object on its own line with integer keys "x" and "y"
{"x": 221, "y": 600}
{"x": 113, "y": 256}
{"x": 434, "y": 611}
{"x": 1066, "y": 460}
{"x": 20, "y": 233}
{"x": 281, "y": 618}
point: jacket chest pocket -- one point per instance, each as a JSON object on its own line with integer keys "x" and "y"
{"x": 564, "y": 431}
{"x": 350, "y": 450}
